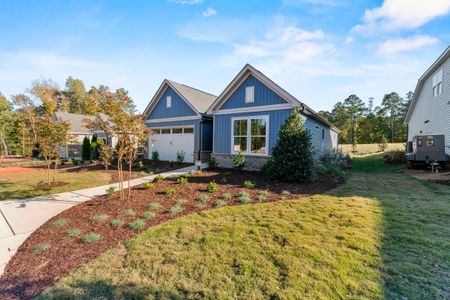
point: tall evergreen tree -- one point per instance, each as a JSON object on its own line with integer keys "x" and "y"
{"x": 355, "y": 107}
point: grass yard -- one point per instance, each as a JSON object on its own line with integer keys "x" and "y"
{"x": 370, "y": 148}
{"x": 382, "y": 234}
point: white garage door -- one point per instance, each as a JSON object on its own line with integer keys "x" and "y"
{"x": 169, "y": 141}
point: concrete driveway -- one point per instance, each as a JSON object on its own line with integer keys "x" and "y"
{"x": 19, "y": 218}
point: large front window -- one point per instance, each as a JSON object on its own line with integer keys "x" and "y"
{"x": 250, "y": 135}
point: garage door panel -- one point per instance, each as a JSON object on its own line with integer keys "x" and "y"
{"x": 169, "y": 144}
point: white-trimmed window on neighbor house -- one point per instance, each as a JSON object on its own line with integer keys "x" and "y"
{"x": 250, "y": 94}
{"x": 437, "y": 83}
{"x": 250, "y": 135}
{"x": 169, "y": 101}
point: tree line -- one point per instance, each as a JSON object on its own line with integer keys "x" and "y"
{"x": 362, "y": 123}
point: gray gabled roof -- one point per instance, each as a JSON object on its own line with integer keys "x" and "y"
{"x": 439, "y": 61}
{"x": 77, "y": 121}
{"x": 195, "y": 98}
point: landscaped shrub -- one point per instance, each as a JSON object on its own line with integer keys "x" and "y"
{"x": 220, "y": 202}
{"x": 86, "y": 149}
{"x": 177, "y": 208}
{"x": 110, "y": 191}
{"x": 117, "y": 223}
{"x": 262, "y": 196}
{"x": 292, "y": 156}
{"x": 239, "y": 161}
{"x": 137, "y": 224}
{"x": 249, "y": 184}
{"x": 149, "y": 215}
{"x": 212, "y": 187}
{"x": 158, "y": 178}
{"x": 226, "y": 197}
{"x": 154, "y": 159}
{"x": 128, "y": 213}
{"x": 154, "y": 205}
{"x": 74, "y": 232}
{"x": 180, "y": 156}
{"x": 99, "y": 218}
{"x": 94, "y": 152}
{"x": 92, "y": 238}
{"x": 244, "y": 197}
{"x": 395, "y": 157}
{"x": 203, "y": 198}
{"x": 170, "y": 191}
{"x": 181, "y": 202}
{"x": 285, "y": 193}
{"x": 332, "y": 162}
{"x": 60, "y": 223}
{"x": 41, "y": 248}
{"x": 149, "y": 185}
{"x": 212, "y": 162}
{"x": 182, "y": 180}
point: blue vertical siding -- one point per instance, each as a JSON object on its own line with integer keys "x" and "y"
{"x": 263, "y": 95}
{"x": 195, "y": 123}
{"x": 179, "y": 107}
{"x": 207, "y": 135}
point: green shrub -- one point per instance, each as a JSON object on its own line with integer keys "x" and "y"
{"x": 170, "y": 191}
{"x": 220, "y": 202}
{"x": 180, "y": 156}
{"x": 149, "y": 185}
{"x": 149, "y": 215}
{"x": 212, "y": 187}
{"x": 128, "y": 213}
{"x": 223, "y": 180}
{"x": 182, "y": 180}
{"x": 86, "y": 149}
{"x": 212, "y": 162}
{"x": 262, "y": 195}
{"x": 395, "y": 157}
{"x": 202, "y": 198}
{"x": 99, "y": 218}
{"x": 154, "y": 206}
{"x": 292, "y": 157}
{"x": 110, "y": 191}
{"x": 117, "y": 223}
{"x": 137, "y": 224}
{"x": 158, "y": 178}
{"x": 41, "y": 248}
{"x": 94, "y": 152}
{"x": 285, "y": 193}
{"x": 74, "y": 232}
{"x": 92, "y": 238}
{"x": 60, "y": 223}
{"x": 244, "y": 197}
{"x": 249, "y": 184}
{"x": 177, "y": 208}
{"x": 332, "y": 162}
{"x": 239, "y": 161}
{"x": 200, "y": 205}
{"x": 226, "y": 197}
{"x": 154, "y": 159}
{"x": 181, "y": 202}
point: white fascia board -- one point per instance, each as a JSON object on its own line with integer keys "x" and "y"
{"x": 253, "y": 109}
{"x": 189, "y": 118}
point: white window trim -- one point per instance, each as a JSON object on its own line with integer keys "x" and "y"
{"x": 250, "y": 89}
{"x": 249, "y": 118}
{"x": 437, "y": 84}
{"x": 169, "y": 101}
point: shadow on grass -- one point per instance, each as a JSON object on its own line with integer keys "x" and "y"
{"x": 415, "y": 235}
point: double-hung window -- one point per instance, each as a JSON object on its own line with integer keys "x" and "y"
{"x": 250, "y": 135}
{"x": 437, "y": 83}
{"x": 169, "y": 101}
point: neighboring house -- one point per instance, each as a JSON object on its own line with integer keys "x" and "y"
{"x": 77, "y": 132}
{"x": 429, "y": 112}
{"x": 248, "y": 115}
{"x": 176, "y": 116}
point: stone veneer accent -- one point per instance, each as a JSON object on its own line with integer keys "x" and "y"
{"x": 252, "y": 163}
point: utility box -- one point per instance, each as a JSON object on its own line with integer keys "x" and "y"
{"x": 427, "y": 148}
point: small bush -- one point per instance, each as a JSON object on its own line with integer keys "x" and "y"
{"x": 177, "y": 208}
{"x": 200, "y": 205}
{"x": 333, "y": 162}
{"x": 226, "y": 197}
{"x": 117, "y": 223}
{"x": 203, "y": 198}
{"x": 212, "y": 187}
{"x": 244, "y": 197}
{"x": 223, "y": 180}
{"x": 86, "y": 149}
{"x": 285, "y": 193}
{"x": 395, "y": 157}
{"x": 170, "y": 191}
{"x": 180, "y": 156}
{"x": 149, "y": 185}
{"x": 110, "y": 191}
{"x": 239, "y": 161}
{"x": 99, "y": 218}
{"x": 154, "y": 159}
{"x": 74, "y": 232}
{"x": 182, "y": 180}
{"x": 220, "y": 202}
{"x": 158, "y": 178}
{"x": 60, "y": 223}
{"x": 41, "y": 248}
{"x": 137, "y": 224}
{"x": 212, "y": 162}
{"x": 92, "y": 238}
{"x": 149, "y": 215}
{"x": 128, "y": 213}
{"x": 181, "y": 202}
{"x": 249, "y": 184}
{"x": 262, "y": 196}
{"x": 154, "y": 205}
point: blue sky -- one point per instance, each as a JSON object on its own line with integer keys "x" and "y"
{"x": 321, "y": 51}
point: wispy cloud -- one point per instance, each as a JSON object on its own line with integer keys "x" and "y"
{"x": 209, "y": 12}
{"x": 391, "y": 46}
{"x": 186, "y": 2}
{"x": 401, "y": 14}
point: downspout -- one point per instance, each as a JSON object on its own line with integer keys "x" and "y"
{"x": 200, "y": 138}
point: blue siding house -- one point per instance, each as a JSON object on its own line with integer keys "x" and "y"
{"x": 247, "y": 117}
{"x": 180, "y": 127}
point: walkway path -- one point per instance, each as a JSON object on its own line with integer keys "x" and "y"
{"x": 19, "y": 218}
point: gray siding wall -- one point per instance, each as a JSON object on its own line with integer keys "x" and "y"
{"x": 179, "y": 107}
{"x": 434, "y": 110}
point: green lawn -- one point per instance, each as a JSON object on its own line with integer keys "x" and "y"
{"x": 24, "y": 185}
{"x": 381, "y": 235}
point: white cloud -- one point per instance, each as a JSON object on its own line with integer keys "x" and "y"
{"x": 349, "y": 40}
{"x": 391, "y": 46}
{"x": 209, "y": 12}
{"x": 402, "y": 14}
{"x": 187, "y": 2}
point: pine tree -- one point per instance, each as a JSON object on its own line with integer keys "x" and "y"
{"x": 292, "y": 156}
{"x": 86, "y": 150}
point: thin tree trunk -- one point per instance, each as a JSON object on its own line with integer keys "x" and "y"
{"x": 129, "y": 179}
{"x": 5, "y": 147}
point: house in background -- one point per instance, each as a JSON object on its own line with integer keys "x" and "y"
{"x": 248, "y": 115}
{"x": 78, "y": 131}
{"x": 429, "y": 112}
{"x": 177, "y": 117}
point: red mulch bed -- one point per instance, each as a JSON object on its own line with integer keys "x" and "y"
{"x": 27, "y": 274}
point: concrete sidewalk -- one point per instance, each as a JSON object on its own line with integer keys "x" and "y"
{"x": 19, "y": 218}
